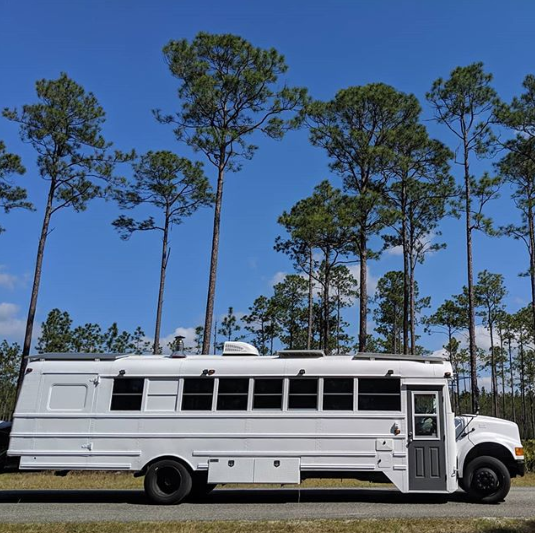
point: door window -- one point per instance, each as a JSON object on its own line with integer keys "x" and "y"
{"x": 425, "y": 415}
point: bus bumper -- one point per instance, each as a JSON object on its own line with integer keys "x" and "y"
{"x": 518, "y": 469}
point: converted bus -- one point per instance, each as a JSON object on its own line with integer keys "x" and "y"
{"x": 188, "y": 423}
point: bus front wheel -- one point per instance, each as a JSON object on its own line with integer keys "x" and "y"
{"x": 167, "y": 482}
{"x": 487, "y": 480}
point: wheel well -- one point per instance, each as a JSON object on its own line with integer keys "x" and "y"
{"x": 493, "y": 450}
{"x": 143, "y": 471}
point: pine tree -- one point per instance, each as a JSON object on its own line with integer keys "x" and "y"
{"x": 175, "y": 188}
{"x": 290, "y": 311}
{"x": 56, "y": 334}
{"x": 229, "y": 328}
{"x": 388, "y": 314}
{"x": 451, "y": 317}
{"x": 358, "y": 130}
{"x": 321, "y": 223}
{"x": 64, "y": 128}
{"x": 228, "y": 91}
{"x": 465, "y": 104}
{"x": 419, "y": 192}
{"x": 489, "y": 293}
{"x": 11, "y": 196}
{"x": 261, "y": 323}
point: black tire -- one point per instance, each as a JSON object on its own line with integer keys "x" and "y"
{"x": 167, "y": 482}
{"x": 462, "y": 484}
{"x": 487, "y": 480}
{"x": 200, "y": 486}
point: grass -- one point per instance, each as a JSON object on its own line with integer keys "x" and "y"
{"x": 123, "y": 481}
{"x": 316, "y": 526}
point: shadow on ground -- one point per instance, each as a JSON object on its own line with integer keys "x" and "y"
{"x": 234, "y": 496}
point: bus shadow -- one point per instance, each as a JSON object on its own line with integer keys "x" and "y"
{"x": 235, "y": 496}
{"x": 329, "y": 495}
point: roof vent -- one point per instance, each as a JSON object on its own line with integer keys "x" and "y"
{"x": 301, "y": 353}
{"x": 239, "y": 348}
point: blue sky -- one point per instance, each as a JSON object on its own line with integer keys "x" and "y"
{"x": 114, "y": 50}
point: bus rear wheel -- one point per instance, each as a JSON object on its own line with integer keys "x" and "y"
{"x": 487, "y": 480}
{"x": 167, "y": 482}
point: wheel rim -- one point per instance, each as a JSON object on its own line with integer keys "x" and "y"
{"x": 168, "y": 479}
{"x": 486, "y": 480}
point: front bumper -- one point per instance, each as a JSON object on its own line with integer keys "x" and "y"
{"x": 518, "y": 468}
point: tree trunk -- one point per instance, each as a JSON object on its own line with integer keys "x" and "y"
{"x": 213, "y": 259}
{"x": 363, "y": 309}
{"x": 163, "y": 269}
{"x": 454, "y": 364}
{"x": 532, "y": 411}
{"x": 406, "y": 295}
{"x": 512, "y": 373}
{"x": 35, "y": 287}
{"x": 412, "y": 297}
{"x": 310, "y": 300}
{"x": 338, "y": 319}
{"x": 532, "y": 261}
{"x": 522, "y": 386}
{"x": 502, "y": 371}
{"x": 469, "y": 261}
{"x": 493, "y": 372}
{"x": 326, "y": 306}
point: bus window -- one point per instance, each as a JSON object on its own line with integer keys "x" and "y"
{"x": 338, "y": 394}
{"x": 197, "y": 394}
{"x": 267, "y": 394}
{"x": 232, "y": 394}
{"x": 379, "y": 394}
{"x": 127, "y": 394}
{"x": 303, "y": 394}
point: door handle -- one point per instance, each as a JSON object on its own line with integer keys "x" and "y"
{"x": 410, "y": 436}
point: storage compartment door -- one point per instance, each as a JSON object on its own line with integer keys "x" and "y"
{"x": 273, "y": 470}
{"x": 231, "y": 470}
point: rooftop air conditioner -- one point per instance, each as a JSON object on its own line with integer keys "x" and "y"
{"x": 239, "y": 348}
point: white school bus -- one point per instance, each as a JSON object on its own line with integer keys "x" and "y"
{"x": 188, "y": 423}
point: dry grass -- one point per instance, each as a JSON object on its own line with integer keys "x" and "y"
{"x": 123, "y": 481}
{"x": 316, "y": 526}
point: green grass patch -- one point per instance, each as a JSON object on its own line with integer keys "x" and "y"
{"x": 316, "y": 526}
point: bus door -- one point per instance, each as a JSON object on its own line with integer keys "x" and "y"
{"x": 426, "y": 439}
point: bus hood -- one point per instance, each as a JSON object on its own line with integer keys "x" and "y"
{"x": 480, "y": 428}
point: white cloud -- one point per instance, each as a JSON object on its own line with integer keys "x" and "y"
{"x": 371, "y": 280}
{"x": 484, "y": 381}
{"x": 440, "y": 353}
{"x": 9, "y": 281}
{"x": 11, "y": 326}
{"x": 395, "y": 250}
{"x": 278, "y": 278}
{"x": 189, "y": 340}
{"x": 424, "y": 242}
